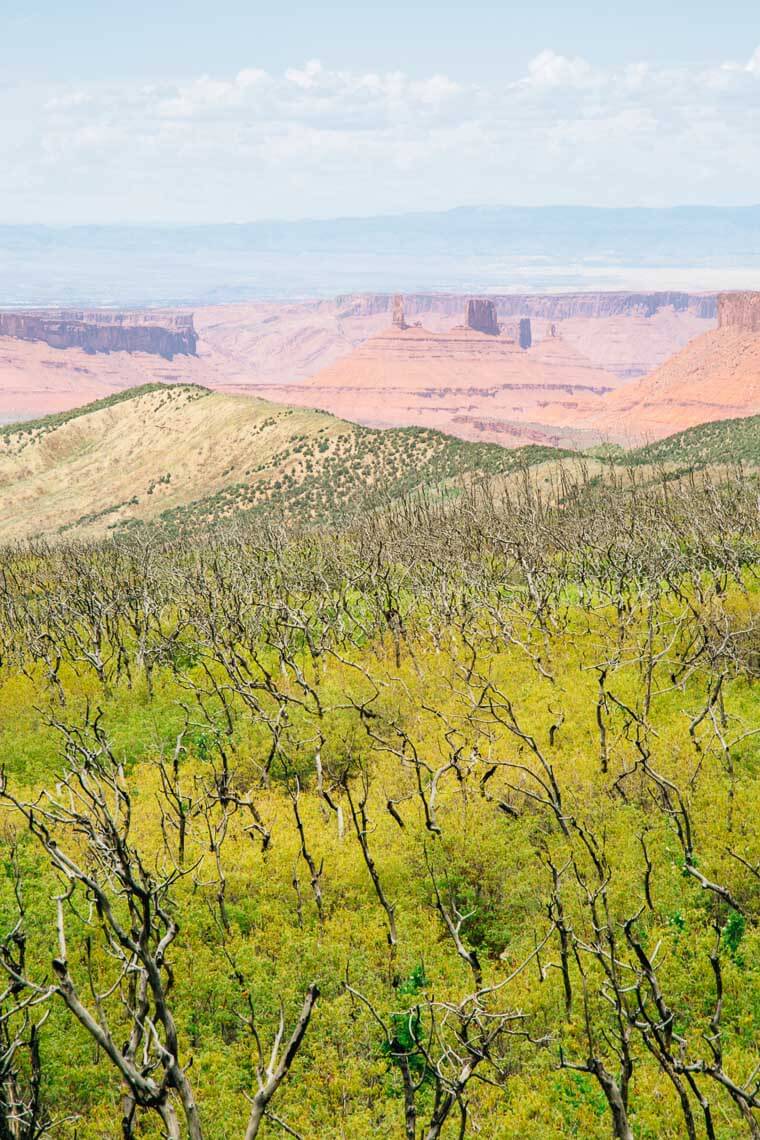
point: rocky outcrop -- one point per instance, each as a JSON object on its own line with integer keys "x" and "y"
{"x": 525, "y": 336}
{"x": 739, "y": 311}
{"x": 715, "y": 377}
{"x": 399, "y": 320}
{"x": 480, "y": 316}
{"x": 160, "y": 334}
{"x": 556, "y": 307}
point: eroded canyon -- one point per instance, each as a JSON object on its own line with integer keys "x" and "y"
{"x": 567, "y": 368}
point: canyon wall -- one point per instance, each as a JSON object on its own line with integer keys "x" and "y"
{"x": 739, "y": 311}
{"x": 557, "y": 307}
{"x": 157, "y": 333}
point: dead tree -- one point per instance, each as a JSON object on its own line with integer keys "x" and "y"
{"x": 24, "y": 1115}
{"x": 86, "y": 830}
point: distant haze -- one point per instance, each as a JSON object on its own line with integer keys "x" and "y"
{"x": 550, "y": 249}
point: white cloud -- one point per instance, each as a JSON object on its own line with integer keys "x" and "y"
{"x": 548, "y": 69}
{"x": 316, "y": 140}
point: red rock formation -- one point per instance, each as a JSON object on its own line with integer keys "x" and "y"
{"x": 161, "y": 334}
{"x": 456, "y": 381}
{"x": 241, "y": 347}
{"x": 398, "y": 312}
{"x": 739, "y": 311}
{"x": 36, "y": 379}
{"x": 526, "y": 333}
{"x": 480, "y": 316}
{"x": 715, "y": 377}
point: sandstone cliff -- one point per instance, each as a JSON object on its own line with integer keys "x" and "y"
{"x": 241, "y": 347}
{"x": 739, "y": 311}
{"x": 557, "y": 307}
{"x": 715, "y": 377}
{"x": 463, "y": 381}
{"x": 160, "y": 334}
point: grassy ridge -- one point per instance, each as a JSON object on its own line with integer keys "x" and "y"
{"x": 241, "y": 459}
{"x": 327, "y": 480}
{"x": 57, "y": 419}
{"x": 721, "y": 441}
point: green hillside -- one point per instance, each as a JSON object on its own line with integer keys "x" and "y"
{"x": 319, "y": 478}
{"x": 723, "y": 441}
{"x": 179, "y": 459}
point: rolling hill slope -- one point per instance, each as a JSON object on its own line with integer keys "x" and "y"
{"x": 719, "y": 442}
{"x": 184, "y": 457}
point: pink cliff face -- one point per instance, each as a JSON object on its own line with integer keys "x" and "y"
{"x": 354, "y": 356}
{"x": 739, "y": 311}
{"x": 551, "y": 307}
{"x": 160, "y": 334}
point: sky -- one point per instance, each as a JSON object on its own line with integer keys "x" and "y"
{"x": 232, "y": 110}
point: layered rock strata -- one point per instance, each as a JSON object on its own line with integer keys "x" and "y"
{"x": 464, "y": 381}
{"x": 160, "y": 334}
{"x": 739, "y": 311}
{"x": 557, "y": 307}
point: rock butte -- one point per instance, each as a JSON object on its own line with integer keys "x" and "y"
{"x": 627, "y": 334}
{"x": 480, "y": 316}
{"x": 473, "y": 382}
{"x": 367, "y": 357}
{"x": 480, "y": 386}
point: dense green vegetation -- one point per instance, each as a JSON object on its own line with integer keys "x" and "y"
{"x": 443, "y": 824}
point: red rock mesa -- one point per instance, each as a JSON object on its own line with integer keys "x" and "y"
{"x": 161, "y": 334}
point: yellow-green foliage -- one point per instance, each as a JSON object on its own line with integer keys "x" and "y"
{"x": 534, "y": 712}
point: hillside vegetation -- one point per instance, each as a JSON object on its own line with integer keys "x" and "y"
{"x": 179, "y": 457}
{"x": 725, "y": 441}
{"x": 181, "y": 460}
{"x": 437, "y": 826}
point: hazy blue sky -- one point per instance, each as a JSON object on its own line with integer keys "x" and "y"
{"x": 103, "y": 39}
{"x": 232, "y": 110}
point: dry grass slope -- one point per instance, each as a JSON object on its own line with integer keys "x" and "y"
{"x": 184, "y": 458}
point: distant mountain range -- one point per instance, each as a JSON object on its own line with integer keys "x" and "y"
{"x": 488, "y": 249}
